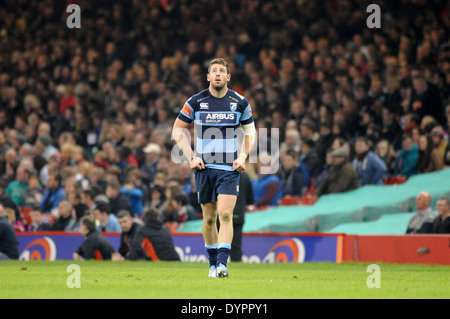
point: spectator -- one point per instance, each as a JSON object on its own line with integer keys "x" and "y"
{"x": 422, "y": 221}
{"x": 117, "y": 200}
{"x": 310, "y": 159}
{"x": 18, "y": 225}
{"x": 149, "y": 167}
{"x": 391, "y": 130}
{"x": 9, "y": 245}
{"x": 54, "y": 194}
{"x": 64, "y": 216}
{"x": 107, "y": 222}
{"x": 134, "y": 195}
{"x": 38, "y": 222}
{"x": 17, "y": 188}
{"x": 429, "y": 159}
{"x": 425, "y": 98}
{"x": 368, "y": 166}
{"x": 441, "y": 224}
{"x": 267, "y": 187}
{"x": 406, "y": 161}
{"x": 153, "y": 241}
{"x": 182, "y": 210}
{"x": 326, "y": 168}
{"x": 43, "y": 146}
{"x": 385, "y": 151}
{"x": 33, "y": 195}
{"x": 157, "y": 196}
{"x": 95, "y": 246}
{"x": 437, "y": 134}
{"x": 129, "y": 229}
{"x": 291, "y": 175}
{"x": 341, "y": 176}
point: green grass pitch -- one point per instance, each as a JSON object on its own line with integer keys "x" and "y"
{"x": 176, "y": 280}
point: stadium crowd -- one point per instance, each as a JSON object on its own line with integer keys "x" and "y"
{"x": 86, "y": 114}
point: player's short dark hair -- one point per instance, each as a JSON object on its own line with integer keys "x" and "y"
{"x": 221, "y": 62}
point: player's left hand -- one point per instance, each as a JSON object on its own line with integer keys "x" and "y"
{"x": 239, "y": 165}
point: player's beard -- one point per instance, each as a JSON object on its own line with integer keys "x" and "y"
{"x": 218, "y": 87}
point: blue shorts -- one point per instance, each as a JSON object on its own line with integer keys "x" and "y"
{"x": 211, "y": 182}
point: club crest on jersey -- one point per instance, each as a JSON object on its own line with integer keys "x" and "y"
{"x": 233, "y": 106}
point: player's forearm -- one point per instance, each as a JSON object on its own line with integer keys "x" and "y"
{"x": 178, "y": 134}
{"x": 249, "y": 139}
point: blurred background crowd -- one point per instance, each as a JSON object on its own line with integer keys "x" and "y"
{"x": 87, "y": 114}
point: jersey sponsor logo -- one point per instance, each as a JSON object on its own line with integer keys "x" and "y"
{"x": 204, "y": 106}
{"x": 218, "y": 118}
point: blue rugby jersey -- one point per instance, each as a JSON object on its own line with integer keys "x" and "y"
{"x": 215, "y": 123}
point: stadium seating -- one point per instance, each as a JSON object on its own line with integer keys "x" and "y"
{"x": 362, "y": 207}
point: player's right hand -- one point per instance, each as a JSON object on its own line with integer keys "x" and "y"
{"x": 197, "y": 163}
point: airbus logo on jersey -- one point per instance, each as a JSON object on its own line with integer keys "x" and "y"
{"x": 218, "y": 118}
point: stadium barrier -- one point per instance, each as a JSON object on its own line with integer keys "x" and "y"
{"x": 257, "y": 248}
{"x": 270, "y": 247}
{"x": 399, "y": 249}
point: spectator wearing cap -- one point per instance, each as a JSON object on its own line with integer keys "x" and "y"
{"x": 341, "y": 176}
{"x": 107, "y": 222}
{"x": 149, "y": 167}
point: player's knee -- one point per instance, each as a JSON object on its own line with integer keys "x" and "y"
{"x": 210, "y": 220}
{"x": 226, "y": 216}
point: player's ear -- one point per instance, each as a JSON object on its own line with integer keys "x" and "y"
{"x": 228, "y": 77}
{"x": 208, "y": 78}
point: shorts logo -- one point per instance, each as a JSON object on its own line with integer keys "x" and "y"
{"x": 233, "y": 106}
{"x": 237, "y": 189}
